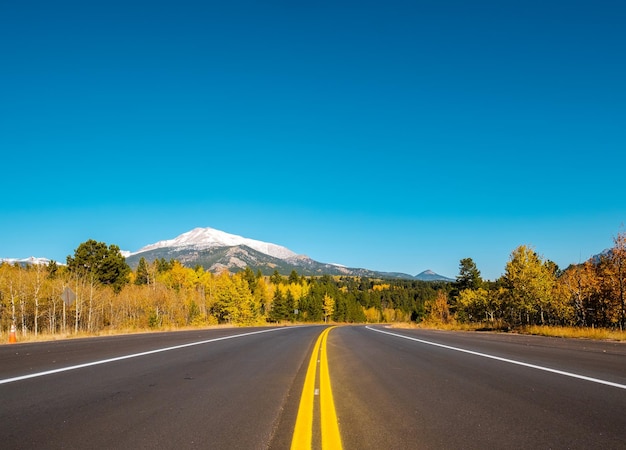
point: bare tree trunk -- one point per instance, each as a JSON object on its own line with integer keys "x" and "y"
{"x": 36, "y": 290}
{"x": 13, "y": 295}
{"x": 90, "y": 311}
{"x": 64, "y": 324}
{"x": 52, "y": 316}
{"x": 23, "y": 313}
{"x": 78, "y": 302}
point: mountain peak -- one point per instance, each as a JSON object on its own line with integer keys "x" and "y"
{"x": 429, "y": 275}
{"x": 217, "y": 250}
{"x": 205, "y": 238}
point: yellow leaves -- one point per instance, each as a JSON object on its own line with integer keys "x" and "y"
{"x": 438, "y": 309}
{"x": 381, "y": 287}
{"x": 297, "y": 290}
{"x": 530, "y": 279}
{"x": 328, "y": 305}
{"x": 478, "y": 304}
{"x": 178, "y": 277}
{"x": 395, "y": 315}
{"x": 372, "y": 314}
{"x": 473, "y": 298}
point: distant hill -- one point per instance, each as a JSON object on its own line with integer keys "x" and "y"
{"x": 603, "y": 254}
{"x": 429, "y": 275}
{"x": 31, "y": 261}
{"x": 216, "y": 250}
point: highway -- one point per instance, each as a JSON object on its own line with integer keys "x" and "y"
{"x": 250, "y": 388}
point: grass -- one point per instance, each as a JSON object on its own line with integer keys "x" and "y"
{"x": 43, "y": 336}
{"x": 576, "y": 332}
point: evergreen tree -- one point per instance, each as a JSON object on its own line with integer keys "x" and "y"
{"x": 250, "y": 278}
{"x": 290, "y": 306}
{"x": 469, "y": 276}
{"x": 142, "y": 273}
{"x": 279, "y": 309}
{"x": 163, "y": 266}
{"x": 103, "y": 264}
{"x": 276, "y": 278}
{"x": 294, "y": 277}
{"x": 53, "y": 269}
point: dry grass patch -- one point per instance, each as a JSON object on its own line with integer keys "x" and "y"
{"x": 44, "y": 337}
{"x": 551, "y": 331}
{"x": 576, "y": 332}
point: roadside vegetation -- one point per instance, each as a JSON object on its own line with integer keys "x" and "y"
{"x": 97, "y": 293}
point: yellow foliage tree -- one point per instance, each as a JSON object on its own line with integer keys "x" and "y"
{"x": 372, "y": 315}
{"x": 438, "y": 310}
{"x": 328, "y": 305}
{"x": 531, "y": 284}
{"x": 579, "y": 283}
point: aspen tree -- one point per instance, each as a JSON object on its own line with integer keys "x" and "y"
{"x": 328, "y": 306}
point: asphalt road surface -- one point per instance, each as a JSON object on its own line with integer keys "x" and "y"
{"x": 241, "y": 388}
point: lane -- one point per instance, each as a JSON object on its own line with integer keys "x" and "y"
{"x": 222, "y": 394}
{"x": 392, "y": 392}
{"x": 517, "y": 362}
{"x": 22, "y": 358}
{"x": 599, "y": 359}
{"x": 99, "y": 362}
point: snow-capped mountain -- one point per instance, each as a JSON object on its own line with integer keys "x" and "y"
{"x": 206, "y": 238}
{"x": 23, "y": 261}
{"x": 216, "y": 250}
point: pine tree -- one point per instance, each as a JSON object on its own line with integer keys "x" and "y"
{"x": 142, "y": 272}
{"x": 469, "y": 276}
{"x": 278, "y": 310}
{"x": 294, "y": 277}
{"x": 103, "y": 264}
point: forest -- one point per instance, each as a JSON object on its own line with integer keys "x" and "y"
{"x": 96, "y": 292}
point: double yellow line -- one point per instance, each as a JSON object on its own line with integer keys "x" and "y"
{"x": 303, "y": 432}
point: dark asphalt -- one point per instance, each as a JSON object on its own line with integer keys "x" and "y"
{"x": 395, "y": 393}
{"x": 243, "y": 393}
{"x": 224, "y": 394}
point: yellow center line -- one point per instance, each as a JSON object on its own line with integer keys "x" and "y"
{"x": 331, "y": 439}
{"x": 303, "y": 432}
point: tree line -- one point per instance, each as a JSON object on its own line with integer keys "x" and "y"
{"x": 96, "y": 291}
{"x": 534, "y": 291}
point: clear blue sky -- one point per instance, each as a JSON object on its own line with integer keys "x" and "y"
{"x": 391, "y": 135}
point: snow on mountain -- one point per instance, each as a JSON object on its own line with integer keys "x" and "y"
{"x": 204, "y": 238}
{"x": 30, "y": 260}
{"x": 217, "y": 250}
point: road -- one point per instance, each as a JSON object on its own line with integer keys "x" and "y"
{"x": 242, "y": 388}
